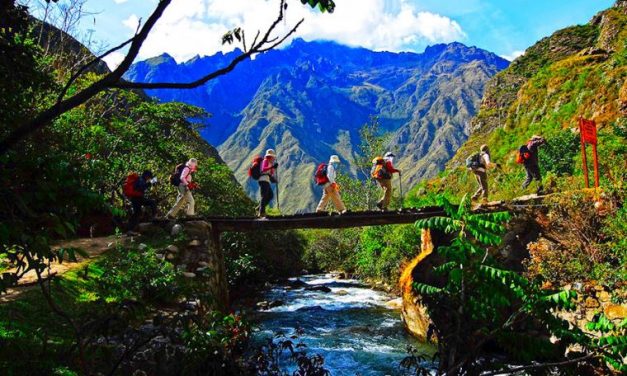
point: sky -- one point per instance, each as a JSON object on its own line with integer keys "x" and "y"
{"x": 194, "y": 27}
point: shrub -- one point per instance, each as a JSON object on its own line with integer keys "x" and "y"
{"x": 138, "y": 275}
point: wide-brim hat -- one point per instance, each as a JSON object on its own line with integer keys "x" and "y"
{"x": 270, "y": 153}
{"x": 334, "y": 159}
{"x": 536, "y": 137}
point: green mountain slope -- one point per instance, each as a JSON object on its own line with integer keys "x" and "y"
{"x": 577, "y": 71}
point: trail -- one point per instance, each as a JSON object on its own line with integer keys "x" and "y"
{"x": 94, "y": 247}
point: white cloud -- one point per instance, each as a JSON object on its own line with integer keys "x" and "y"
{"x": 120, "y": 1}
{"x": 512, "y": 56}
{"x": 195, "y": 27}
{"x": 114, "y": 59}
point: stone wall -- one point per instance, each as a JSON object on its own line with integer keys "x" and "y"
{"x": 195, "y": 250}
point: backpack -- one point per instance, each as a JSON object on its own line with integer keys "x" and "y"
{"x": 175, "y": 177}
{"x": 523, "y": 154}
{"x": 254, "y": 171}
{"x": 321, "y": 174}
{"x": 129, "y": 186}
{"x": 379, "y": 171}
{"x": 474, "y": 161}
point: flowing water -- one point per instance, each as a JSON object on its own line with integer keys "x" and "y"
{"x": 351, "y": 327}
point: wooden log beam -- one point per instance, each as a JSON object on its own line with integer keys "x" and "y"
{"x": 313, "y": 221}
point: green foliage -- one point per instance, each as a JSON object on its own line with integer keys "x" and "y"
{"x": 612, "y": 341}
{"x": 478, "y": 301}
{"x": 213, "y": 342}
{"x": 558, "y": 155}
{"x": 138, "y": 275}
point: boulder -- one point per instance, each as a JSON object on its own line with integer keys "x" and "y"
{"x": 189, "y": 275}
{"x": 342, "y": 292}
{"x": 296, "y": 283}
{"x": 142, "y": 247}
{"x": 318, "y": 288}
{"x": 172, "y": 248}
{"x": 176, "y": 229}
{"x": 195, "y": 243}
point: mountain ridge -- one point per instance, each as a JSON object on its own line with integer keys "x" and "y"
{"x": 309, "y": 99}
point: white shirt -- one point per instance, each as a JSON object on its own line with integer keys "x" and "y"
{"x": 485, "y": 161}
{"x": 331, "y": 173}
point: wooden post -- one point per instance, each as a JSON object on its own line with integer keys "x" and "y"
{"x": 596, "y": 165}
{"x": 583, "y": 153}
{"x": 219, "y": 284}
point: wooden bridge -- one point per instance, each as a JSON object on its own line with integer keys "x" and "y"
{"x": 208, "y": 230}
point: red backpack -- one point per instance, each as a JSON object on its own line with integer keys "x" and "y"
{"x": 523, "y": 154}
{"x": 321, "y": 174}
{"x": 254, "y": 171}
{"x": 129, "y": 186}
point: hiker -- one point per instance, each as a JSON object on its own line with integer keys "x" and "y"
{"x": 382, "y": 170}
{"x": 325, "y": 176}
{"x": 182, "y": 179}
{"x": 135, "y": 188}
{"x": 268, "y": 172}
{"x": 528, "y": 156}
{"x": 479, "y": 163}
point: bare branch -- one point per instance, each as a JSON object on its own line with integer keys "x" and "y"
{"x": 285, "y": 37}
{"x": 82, "y": 69}
{"x": 542, "y": 365}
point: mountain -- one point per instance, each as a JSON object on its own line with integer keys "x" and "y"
{"x": 577, "y": 71}
{"x": 310, "y": 99}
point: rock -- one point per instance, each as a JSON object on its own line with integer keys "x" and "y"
{"x": 189, "y": 275}
{"x": 342, "y": 292}
{"x": 142, "y": 247}
{"x": 203, "y": 263}
{"x": 318, "y": 288}
{"x": 176, "y": 229}
{"x": 341, "y": 275}
{"x": 160, "y": 256}
{"x": 604, "y": 296}
{"x": 297, "y": 283}
{"x": 202, "y": 269}
{"x": 170, "y": 257}
{"x": 276, "y": 303}
{"x": 616, "y": 311}
{"x": 304, "y": 272}
{"x": 395, "y": 303}
{"x": 172, "y": 248}
{"x": 149, "y": 229}
{"x": 195, "y": 243}
{"x": 590, "y": 302}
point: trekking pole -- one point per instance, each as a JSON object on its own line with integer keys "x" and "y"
{"x": 400, "y": 185}
{"x": 278, "y": 201}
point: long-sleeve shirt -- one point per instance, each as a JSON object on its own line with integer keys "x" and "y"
{"x": 533, "y": 145}
{"x": 390, "y": 167}
{"x": 141, "y": 185}
{"x": 186, "y": 175}
{"x": 267, "y": 170}
{"x": 485, "y": 162}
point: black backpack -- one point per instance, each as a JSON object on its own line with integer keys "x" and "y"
{"x": 254, "y": 171}
{"x": 474, "y": 161}
{"x": 175, "y": 177}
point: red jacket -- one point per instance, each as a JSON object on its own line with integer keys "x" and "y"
{"x": 389, "y": 167}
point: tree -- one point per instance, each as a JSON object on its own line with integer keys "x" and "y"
{"x": 359, "y": 192}
{"x": 477, "y": 304}
{"x": 260, "y": 44}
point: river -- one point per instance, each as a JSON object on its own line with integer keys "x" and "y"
{"x": 350, "y": 326}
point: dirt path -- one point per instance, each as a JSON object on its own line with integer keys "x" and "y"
{"x": 94, "y": 247}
